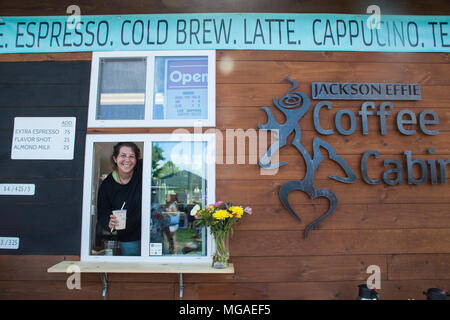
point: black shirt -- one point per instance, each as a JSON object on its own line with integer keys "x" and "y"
{"x": 112, "y": 195}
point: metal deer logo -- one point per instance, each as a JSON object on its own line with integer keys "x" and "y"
{"x": 294, "y": 106}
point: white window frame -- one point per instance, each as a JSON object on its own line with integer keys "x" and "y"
{"x": 147, "y": 139}
{"x": 148, "y": 120}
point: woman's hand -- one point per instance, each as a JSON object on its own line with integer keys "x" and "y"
{"x": 113, "y": 222}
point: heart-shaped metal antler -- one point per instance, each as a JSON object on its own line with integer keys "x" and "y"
{"x": 294, "y": 185}
{"x": 294, "y": 105}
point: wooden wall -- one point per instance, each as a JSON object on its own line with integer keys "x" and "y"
{"x": 404, "y": 229}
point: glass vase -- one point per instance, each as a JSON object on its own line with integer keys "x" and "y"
{"x": 222, "y": 253}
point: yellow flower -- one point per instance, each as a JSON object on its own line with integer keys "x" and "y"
{"x": 237, "y": 211}
{"x": 221, "y": 214}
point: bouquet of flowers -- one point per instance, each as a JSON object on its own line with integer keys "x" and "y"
{"x": 220, "y": 218}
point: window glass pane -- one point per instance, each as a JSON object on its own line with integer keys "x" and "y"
{"x": 180, "y": 88}
{"x": 178, "y": 183}
{"x": 122, "y": 89}
{"x": 117, "y": 184}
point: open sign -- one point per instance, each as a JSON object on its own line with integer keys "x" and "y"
{"x": 187, "y": 73}
{"x": 188, "y": 78}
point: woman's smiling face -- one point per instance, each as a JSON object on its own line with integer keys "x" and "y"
{"x": 126, "y": 160}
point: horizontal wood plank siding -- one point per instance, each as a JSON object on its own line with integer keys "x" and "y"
{"x": 404, "y": 229}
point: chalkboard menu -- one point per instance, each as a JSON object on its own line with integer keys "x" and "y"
{"x": 43, "y": 107}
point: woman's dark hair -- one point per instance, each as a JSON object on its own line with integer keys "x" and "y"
{"x": 116, "y": 150}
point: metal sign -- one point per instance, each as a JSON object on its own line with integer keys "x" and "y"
{"x": 366, "y": 91}
{"x": 294, "y": 105}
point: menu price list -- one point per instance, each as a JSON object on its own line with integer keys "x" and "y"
{"x": 26, "y": 189}
{"x": 9, "y": 243}
{"x": 50, "y": 138}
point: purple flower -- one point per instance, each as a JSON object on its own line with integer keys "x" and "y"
{"x": 218, "y": 203}
{"x": 248, "y": 210}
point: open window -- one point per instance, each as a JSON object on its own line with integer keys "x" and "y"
{"x": 178, "y": 171}
{"x": 152, "y": 89}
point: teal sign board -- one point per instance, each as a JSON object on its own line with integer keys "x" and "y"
{"x": 233, "y": 31}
